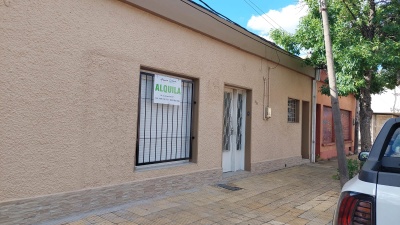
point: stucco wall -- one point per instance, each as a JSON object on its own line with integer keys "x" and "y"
{"x": 69, "y": 94}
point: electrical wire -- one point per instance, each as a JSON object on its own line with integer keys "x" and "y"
{"x": 261, "y": 41}
{"x": 262, "y": 14}
{"x": 219, "y": 14}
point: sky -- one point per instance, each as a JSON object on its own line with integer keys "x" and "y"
{"x": 259, "y": 16}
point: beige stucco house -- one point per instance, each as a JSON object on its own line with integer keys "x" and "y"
{"x": 87, "y": 122}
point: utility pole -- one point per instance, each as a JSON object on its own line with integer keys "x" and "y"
{"x": 337, "y": 123}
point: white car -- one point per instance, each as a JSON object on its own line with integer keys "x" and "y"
{"x": 373, "y": 197}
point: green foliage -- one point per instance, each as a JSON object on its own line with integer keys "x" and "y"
{"x": 353, "y": 167}
{"x": 362, "y": 42}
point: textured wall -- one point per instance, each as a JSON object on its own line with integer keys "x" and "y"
{"x": 69, "y": 94}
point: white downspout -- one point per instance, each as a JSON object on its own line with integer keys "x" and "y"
{"x": 266, "y": 108}
{"x": 314, "y": 116}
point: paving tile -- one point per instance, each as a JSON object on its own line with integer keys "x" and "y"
{"x": 324, "y": 206}
{"x": 203, "y": 222}
{"x": 79, "y": 222}
{"x": 94, "y": 219}
{"x": 161, "y": 221}
{"x": 113, "y": 218}
{"x": 294, "y": 196}
{"x": 274, "y": 222}
{"x": 266, "y": 218}
{"x": 278, "y": 212}
{"x": 128, "y": 223}
{"x": 299, "y": 221}
{"x": 127, "y": 215}
{"x": 285, "y": 218}
{"x": 310, "y": 214}
{"x": 251, "y": 222}
{"x": 265, "y": 209}
{"x": 251, "y": 215}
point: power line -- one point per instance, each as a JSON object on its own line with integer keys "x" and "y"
{"x": 261, "y": 41}
{"x": 262, "y": 14}
{"x": 219, "y": 14}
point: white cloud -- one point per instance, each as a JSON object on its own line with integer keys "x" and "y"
{"x": 286, "y": 18}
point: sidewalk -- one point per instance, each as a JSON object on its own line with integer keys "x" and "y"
{"x": 299, "y": 195}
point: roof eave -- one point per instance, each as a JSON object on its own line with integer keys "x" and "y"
{"x": 195, "y": 17}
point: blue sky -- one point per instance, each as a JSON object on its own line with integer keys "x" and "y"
{"x": 275, "y": 13}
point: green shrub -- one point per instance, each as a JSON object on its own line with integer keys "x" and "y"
{"x": 353, "y": 167}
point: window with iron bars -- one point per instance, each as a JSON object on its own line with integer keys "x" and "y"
{"x": 293, "y": 110}
{"x": 164, "y": 131}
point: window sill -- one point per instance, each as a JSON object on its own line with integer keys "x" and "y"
{"x": 329, "y": 144}
{"x": 334, "y": 143}
{"x": 161, "y": 166}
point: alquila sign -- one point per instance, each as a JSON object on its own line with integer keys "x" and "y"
{"x": 167, "y": 90}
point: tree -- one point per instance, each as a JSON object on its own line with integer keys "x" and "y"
{"x": 365, "y": 37}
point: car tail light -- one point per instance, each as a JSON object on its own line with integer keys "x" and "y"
{"x": 355, "y": 209}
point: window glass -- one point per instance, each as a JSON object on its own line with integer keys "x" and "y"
{"x": 346, "y": 124}
{"x": 393, "y": 148}
{"x": 227, "y": 121}
{"x": 293, "y": 110}
{"x": 327, "y": 126}
{"x": 239, "y": 121}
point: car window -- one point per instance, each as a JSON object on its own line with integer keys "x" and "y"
{"x": 393, "y": 148}
{"x": 391, "y": 158}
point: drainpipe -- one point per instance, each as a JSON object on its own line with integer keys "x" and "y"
{"x": 266, "y": 108}
{"x": 269, "y": 93}
{"x": 314, "y": 115}
{"x": 264, "y": 112}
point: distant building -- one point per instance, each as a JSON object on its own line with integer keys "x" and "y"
{"x": 385, "y": 106}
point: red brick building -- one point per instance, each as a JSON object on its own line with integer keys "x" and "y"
{"x": 325, "y": 147}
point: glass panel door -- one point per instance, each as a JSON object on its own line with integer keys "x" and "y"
{"x": 233, "y": 130}
{"x": 227, "y": 121}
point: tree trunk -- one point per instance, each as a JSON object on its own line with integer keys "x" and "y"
{"x": 368, "y": 32}
{"x": 366, "y": 114}
{"x": 356, "y": 126}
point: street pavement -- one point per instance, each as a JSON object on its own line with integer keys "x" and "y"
{"x": 301, "y": 195}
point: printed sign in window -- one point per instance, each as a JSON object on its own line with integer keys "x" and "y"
{"x": 167, "y": 90}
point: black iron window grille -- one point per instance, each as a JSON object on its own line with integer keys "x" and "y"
{"x": 164, "y": 131}
{"x": 293, "y": 110}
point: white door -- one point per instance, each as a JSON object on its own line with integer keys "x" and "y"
{"x": 233, "y": 130}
